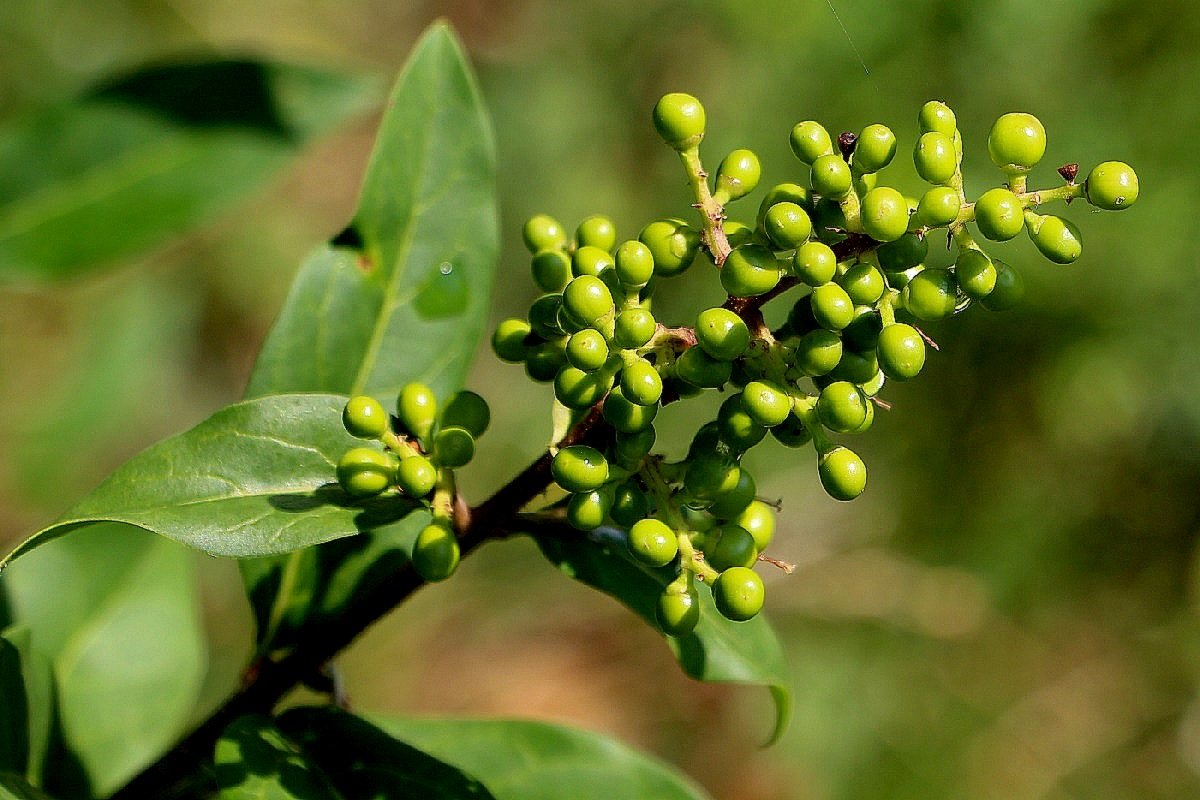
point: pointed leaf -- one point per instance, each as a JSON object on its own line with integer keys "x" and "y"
{"x": 149, "y": 155}
{"x": 253, "y": 479}
{"x": 718, "y": 650}
{"x": 525, "y": 760}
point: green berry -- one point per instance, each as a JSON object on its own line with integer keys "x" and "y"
{"x": 1017, "y": 142}
{"x": 855, "y": 367}
{"x": 577, "y": 389}
{"x": 363, "y": 472}
{"x": 634, "y": 264}
{"x": 543, "y": 232}
{"x": 596, "y": 231}
{"x": 435, "y": 552}
{"x": 737, "y": 233}
{"x": 931, "y": 295}
{"x": 736, "y": 427}
{"x": 831, "y": 176}
{"x": 653, "y": 543}
{"x": 641, "y": 383}
{"x": 1009, "y": 289}
{"x": 364, "y": 417}
{"x": 936, "y": 116}
{"x": 736, "y": 499}
{"x": 875, "y": 148}
{"x": 842, "y": 406}
{"x": 469, "y": 410}
{"x": 843, "y": 474}
{"x": 587, "y": 300}
{"x": 862, "y": 334}
{"x": 634, "y": 327}
{"x": 730, "y": 546}
{"x": 626, "y": 416}
{"x": 901, "y": 351}
{"x": 579, "y": 468}
{"x": 934, "y": 157}
{"x": 543, "y": 316}
{"x": 589, "y": 260}
{"x": 814, "y": 263}
{"x": 710, "y": 476}
{"x": 906, "y": 252}
{"x": 759, "y": 519}
{"x": 787, "y": 225}
{"x": 416, "y": 408}
{"x": 551, "y": 269}
{"x": 750, "y": 270}
{"x": 702, "y": 370}
{"x": 1112, "y": 186}
{"x": 677, "y": 612}
{"x": 999, "y": 214}
{"x": 416, "y": 475}
{"x": 739, "y": 593}
{"x": 829, "y": 221}
{"x": 453, "y": 447}
{"x": 884, "y": 214}
{"x": 631, "y": 448}
{"x": 810, "y": 141}
{"x": 832, "y": 307}
{"x": 679, "y": 119}
{"x": 722, "y": 333}
{"x": 508, "y": 340}
{"x": 864, "y": 284}
{"x": 975, "y": 273}
{"x": 785, "y": 192}
{"x": 544, "y": 361}
{"x": 587, "y": 510}
{"x": 938, "y": 207}
{"x": 1055, "y": 238}
{"x": 628, "y": 505}
{"x": 792, "y": 432}
{"x": 737, "y": 175}
{"x": 818, "y": 352}
{"x": 766, "y": 403}
{"x": 673, "y": 243}
{"x": 587, "y": 350}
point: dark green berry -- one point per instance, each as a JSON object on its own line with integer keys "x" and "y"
{"x": 832, "y": 307}
{"x": 626, "y": 416}
{"x": 907, "y": 251}
{"x": 673, "y": 243}
{"x": 577, "y": 389}
{"x": 453, "y": 447}
{"x": 843, "y": 474}
{"x": 700, "y": 369}
{"x": 736, "y": 427}
{"x": 587, "y": 350}
{"x": 543, "y": 361}
{"x": 579, "y": 468}
{"x": 934, "y": 157}
{"x": 884, "y": 214}
{"x": 1112, "y": 186}
{"x": 544, "y": 316}
{"x": 730, "y": 546}
{"x": 999, "y": 214}
{"x": 587, "y": 299}
{"x": 829, "y": 221}
{"x": 1009, "y": 289}
{"x": 469, "y": 410}
{"x": 679, "y": 119}
{"x": 710, "y": 476}
{"x": 363, "y": 472}
{"x": 736, "y": 499}
{"x": 750, "y": 270}
{"x": 975, "y": 273}
{"x": 629, "y": 504}
{"x": 862, "y": 334}
{"x": 589, "y": 260}
{"x": 631, "y": 448}
{"x": 1055, "y": 238}
{"x": 416, "y": 475}
{"x": 634, "y": 327}
{"x": 416, "y": 408}
{"x": 596, "y": 231}
{"x": 814, "y": 263}
{"x": 737, "y": 175}
{"x": 508, "y": 340}
{"x": 435, "y": 552}
{"x": 739, "y": 593}
{"x": 652, "y": 542}
{"x": 722, "y": 334}
{"x": 931, "y": 295}
{"x": 810, "y": 141}
{"x": 543, "y": 232}
{"x": 364, "y": 417}
{"x": 854, "y": 366}
{"x": 818, "y": 352}
{"x": 831, "y": 176}
{"x": 875, "y": 148}
{"x": 938, "y": 207}
{"x": 792, "y": 432}
{"x": 1017, "y": 142}
{"x": 937, "y": 116}
{"x": 634, "y": 264}
{"x": 901, "y": 351}
{"x": 766, "y": 403}
{"x": 677, "y": 612}
{"x": 551, "y": 269}
{"x": 787, "y": 225}
{"x": 842, "y": 406}
{"x": 587, "y": 510}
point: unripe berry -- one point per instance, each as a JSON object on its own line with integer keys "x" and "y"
{"x": 875, "y": 148}
{"x": 626, "y": 416}
{"x": 730, "y": 546}
{"x": 975, "y": 273}
{"x": 543, "y": 361}
{"x": 934, "y": 157}
{"x": 1009, "y": 289}
{"x": 758, "y": 519}
{"x": 787, "y": 225}
{"x": 577, "y": 389}
{"x": 999, "y": 214}
{"x": 722, "y": 333}
{"x": 673, "y": 243}
{"x": 508, "y": 340}
{"x": 579, "y": 468}
{"x": 1112, "y": 186}
{"x": 736, "y": 427}
{"x": 629, "y": 504}
{"x": 363, "y": 472}
{"x": 596, "y": 231}
{"x": 641, "y": 383}
{"x": 814, "y": 263}
{"x": 907, "y": 251}
{"x": 364, "y": 417}
{"x": 634, "y": 264}
{"x": 710, "y": 476}
{"x": 551, "y": 269}
{"x": 586, "y": 510}
{"x": 831, "y": 176}
{"x": 700, "y": 369}
{"x": 587, "y": 300}
{"x": 736, "y": 499}
{"x": 436, "y": 552}
{"x": 679, "y": 119}
{"x": 843, "y": 474}
{"x": 818, "y": 352}
{"x": 1055, "y": 238}
{"x": 634, "y": 327}
{"x": 739, "y": 593}
{"x": 677, "y": 612}
{"x": 543, "y": 232}
{"x": 842, "y": 406}
{"x": 832, "y": 307}
{"x": 884, "y": 214}
{"x": 416, "y": 475}
{"x": 587, "y": 350}
{"x": 543, "y": 316}
{"x": 453, "y": 447}
{"x": 766, "y": 403}
{"x": 591, "y": 260}
{"x": 467, "y": 409}
{"x": 810, "y": 141}
{"x": 416, "y": 408}
{"x": 939, "y": 206}
{"x": 937, "y": 116}
{"x": 738, "y": 175}
{"x": 632, "y": 448}
{"x": 901, "y": 351}
{"x": 653, "y": 543}
{"x": 1017, "y": 142}
{"x": 750, "y": 270}
{"x": 931, "y": 295}
{"x": 864, "y": 284}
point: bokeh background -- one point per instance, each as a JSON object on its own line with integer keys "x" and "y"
{"x": 1008, "y": 612}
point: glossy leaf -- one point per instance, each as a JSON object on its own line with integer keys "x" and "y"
{"x": 318, "y": 753}
{"x": 526, "y": 760}
{"x": 116, "y": 613}
{"x": 253, "y": 479}
{"x": 718, "y": 650}
{"x": 377, "y": 308}
{"x": 150, "y": 155}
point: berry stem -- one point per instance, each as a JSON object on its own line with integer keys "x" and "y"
{"x": 711, "y": 211}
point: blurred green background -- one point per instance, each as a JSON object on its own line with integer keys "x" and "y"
{"x": 1008, "y": 612}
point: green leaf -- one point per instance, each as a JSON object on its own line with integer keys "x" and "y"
{"x": 376, "y": 309}
{"x": 150, "y": 155}
{"x": 26, "y": 732}
{"x": 14, "y": 787}
{"x": 525, "y": 760}
{"x": 14, "y": 723}
{"x": 117, "y": 614}
{"x": 718, "y": 650}
{"x": 318, "y": 753}
{"x": 253, "y": 479}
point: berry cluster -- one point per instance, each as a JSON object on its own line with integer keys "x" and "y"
{"x": 421, "y": 450}
{"x": 853, "y": 249}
